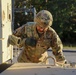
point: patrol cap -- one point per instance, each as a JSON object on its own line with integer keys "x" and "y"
{"x": 44, "y": 18}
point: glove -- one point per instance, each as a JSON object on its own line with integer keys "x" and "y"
{"x": 31, "y": 42}
{"x": 13, "y": 40}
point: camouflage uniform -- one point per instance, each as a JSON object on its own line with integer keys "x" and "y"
{"x": 34, "y": 45}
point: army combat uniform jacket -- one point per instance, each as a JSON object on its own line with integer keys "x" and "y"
{"x": 34, "y": 45}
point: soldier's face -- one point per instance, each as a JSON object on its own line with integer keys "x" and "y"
{"x": 41, "y": 29}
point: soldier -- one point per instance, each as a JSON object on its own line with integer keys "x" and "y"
{"x": 36, "y": 38}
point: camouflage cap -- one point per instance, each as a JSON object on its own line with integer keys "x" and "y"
{"x": 44, "y": 18}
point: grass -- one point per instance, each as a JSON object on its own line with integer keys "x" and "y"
{"x": 69, "y": 46}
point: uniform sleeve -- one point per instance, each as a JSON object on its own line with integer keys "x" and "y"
{"x": 19, "y": 31}
{"x": 56, "y": 44}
